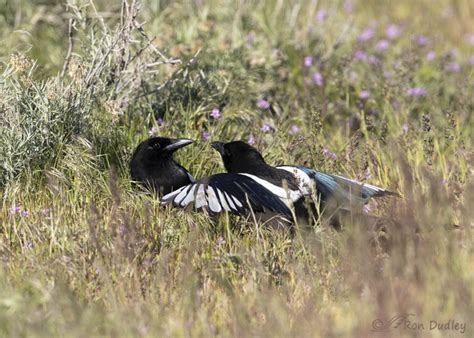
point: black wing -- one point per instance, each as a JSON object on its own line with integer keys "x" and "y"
{"x": 233, "y": 193}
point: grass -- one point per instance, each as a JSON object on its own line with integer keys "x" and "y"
{"x": 82, "y": 83}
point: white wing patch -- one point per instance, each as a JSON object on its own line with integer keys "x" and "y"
{"x": 203, "y": 196}
{"x": 223, "y": 201}
{"x": 305, "y": 183}
{"x": 212, "y": 200}
{"x": 286, "y": 196}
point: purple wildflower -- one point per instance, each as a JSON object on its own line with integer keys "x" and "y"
{"x": 430, "y": 56}
{"x": 24, "y": 213}
{"x": 321, "y": 15}
{"x": 216, "y": 113}
{"x": 469, "y": 38}
{"x": 251, "y": 140}
{"x": 220, "y": 241}
{"x": 266, "y": 128}
{"x": 381, "y": 45}
{"x": 14, "y": 209}
{"x": 250, "y": 39}
{"x": 453, "y": 67}
{"x": 263, "y": 104}
{"x": 160, "y": 122}
{"x": 421, "y": 39}
{"x": 317, "y": 79}
{"x": 152, "y": 131}
{"x": 416, "y": 91}
{"x": 353, "y": 76}
{"x": 276, "y": 52}
{"x": 294, "y": 129}
{"x": 366, "y": 34}
{"x": 205, "y": 135}
{"x": 308, "y": 61}
{"x": 348, "y": 6}
{"x": 360, "y": 55}
{"x": 364, "y": 94}
{"x": 372, "y": 59}
{"x": 392, "y": 31}
{"x": 405, "y": 128}
{"x": 329, "y": 154}
{"x": 387, "y": 74}
{"x": 461, "y": 152}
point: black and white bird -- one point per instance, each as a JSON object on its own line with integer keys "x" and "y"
{"x": 153, "y": 167}
{"x": 251, "y": 183}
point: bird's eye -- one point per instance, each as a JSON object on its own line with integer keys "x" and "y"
{"x": 154, "y": 146}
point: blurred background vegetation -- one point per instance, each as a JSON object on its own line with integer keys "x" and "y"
{"x": 376, "y": 90}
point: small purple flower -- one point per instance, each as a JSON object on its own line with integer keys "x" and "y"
{"x": 251, "y": 140}
{"x": 317, "y": 79}
{"x": 461, "y": 152}
{"x": 416, "y": 91}
{"x": 321, "y": 15}
{"x": 216, "y": 113}
{"x": 372, "y": 59}
{"x": 152, "y": 131}
{"x": 294, "y": 129}
{"x": 266, "y": 128}
{"x": 348, "y": 6}
{"x": 387, "y": 74}
{"x": 405, "y": 128}
{"x": 276, "y": 53}
{"x": 360, "y": 55}
{"x": 220, "y": 241}
{"x": 421, "y": 39}
{"x": 263, "y": 104}
{"x": 469, "y": 38}
{"x": 353, "y": 76}
{"x": 471, "y": 60}
{"x": 453, "y": 67}
{"x": 381, "y": 45}
{"x": 392, "y": 31}
{"x": 250, "y": 39}
{"x": 431, "y": 55}
{"x": 24, "y": 213}
{"x": 364, "y": 94}
{"x": 329, "y": 154}
{"x": 160, "y": 122}
{"x": 14, "y": 209}
{"x": 366, "y": 34}
{"x": 308, "y": 61}
{"x": 205, "y": 135}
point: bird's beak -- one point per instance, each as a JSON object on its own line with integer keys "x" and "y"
{"x": 178, "y": 143}
{"x": 219, "y": 146}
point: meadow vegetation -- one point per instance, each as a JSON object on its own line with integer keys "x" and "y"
{"x": 380, "y": 91}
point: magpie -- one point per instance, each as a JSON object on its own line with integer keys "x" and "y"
{"x": 278, "y": 189}
{"x": 153, "y": 167}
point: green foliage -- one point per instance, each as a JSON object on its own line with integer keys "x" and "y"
{"x": 81, "y": 84}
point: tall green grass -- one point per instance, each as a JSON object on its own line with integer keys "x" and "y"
{"x": 82, "y": 83}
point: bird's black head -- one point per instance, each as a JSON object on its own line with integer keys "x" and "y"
{"x": 239, "y": 156}
{"x": 157, "y": 148}
{"x": 152, "y": 164}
